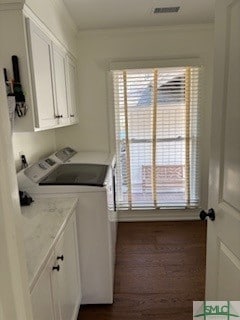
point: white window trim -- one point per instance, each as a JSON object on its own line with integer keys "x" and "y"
{"x": 156, "y": 214}
{"x": 151, "y": 64}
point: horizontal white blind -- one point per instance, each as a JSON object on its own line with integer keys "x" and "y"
{"x": 157, "y": 137}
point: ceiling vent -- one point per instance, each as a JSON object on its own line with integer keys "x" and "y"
{"x": 165, "y": 10}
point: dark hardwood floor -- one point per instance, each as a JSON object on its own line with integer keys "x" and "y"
{"x": 160, "y": 270}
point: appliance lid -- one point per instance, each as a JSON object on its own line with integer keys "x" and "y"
{"x": 77, "y": 174}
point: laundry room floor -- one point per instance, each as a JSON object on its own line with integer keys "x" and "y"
{"x": 160, "y": 270}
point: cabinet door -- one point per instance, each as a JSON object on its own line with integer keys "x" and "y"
{"x": 41, "y": 72}
{"x": 68, "y": 278}
{"x": 59, "y": 57}
{"x": 42, "y": 295}
{"x": 71, "y": 68}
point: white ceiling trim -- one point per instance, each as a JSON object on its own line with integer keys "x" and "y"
{"x": 11, "y": 6}
{"x": 202, "y": 26}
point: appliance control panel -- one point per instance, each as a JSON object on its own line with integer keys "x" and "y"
{"x": 65, "y": 154}
{"x": 39, "y": 170}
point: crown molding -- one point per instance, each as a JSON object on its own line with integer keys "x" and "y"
{"x": 148, "y": 29}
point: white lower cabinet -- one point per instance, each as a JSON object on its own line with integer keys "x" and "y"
{"x": 57, "y": 293}
{"x": 68, "y": 281}
{"x": 42, "y": 295}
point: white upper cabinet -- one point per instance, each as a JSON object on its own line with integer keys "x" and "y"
{"x": 42, "y": 76}
{"x": 60, "y": 82}
{"x": 71, "y": 68}
{"x": 48, "y": 74}
{"x": 54, "y": 75}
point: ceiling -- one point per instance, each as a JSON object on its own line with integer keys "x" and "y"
{"x": 104, "y": 14}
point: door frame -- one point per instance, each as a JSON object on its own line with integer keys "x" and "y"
{"x": 14, "y": 292}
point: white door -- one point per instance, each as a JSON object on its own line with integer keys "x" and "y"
{"x": 223, "y": 235}
{"x": 41, "y": 69}
{"x": 71, "y": 68}
{"x": 59, "y": 57}
{"x": 43, "y": 296}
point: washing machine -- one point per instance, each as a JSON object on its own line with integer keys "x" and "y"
{"x": 91, "y": 177}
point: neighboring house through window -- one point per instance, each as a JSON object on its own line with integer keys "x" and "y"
{"x": 157, "y": 137}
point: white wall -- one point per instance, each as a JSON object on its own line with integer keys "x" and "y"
{"x": 34, "y": 145}
{"x": 97, "y": 49}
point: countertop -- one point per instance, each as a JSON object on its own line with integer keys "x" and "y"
{"x": 43, "y": 222}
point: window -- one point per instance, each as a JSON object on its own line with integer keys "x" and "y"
{"x": 157, "y": 138}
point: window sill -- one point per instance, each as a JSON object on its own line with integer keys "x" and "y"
{"x": 158, "y": 215}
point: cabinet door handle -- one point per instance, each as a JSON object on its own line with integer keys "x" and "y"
{"x": 60, "y": 257}
{"x": 56, "y": 267}
{"x": 72, "y": 115}
{"x": 61, "y": 116}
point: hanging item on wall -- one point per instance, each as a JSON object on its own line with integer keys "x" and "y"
{"x": 10, "y": 98}
{"x": 21, "y": 108}
{"x": 15, "y": 95}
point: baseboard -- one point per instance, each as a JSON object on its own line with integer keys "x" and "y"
{"x": 158, "y": 215}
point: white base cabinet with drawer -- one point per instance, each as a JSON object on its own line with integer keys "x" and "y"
{"x": 57, "y": 292}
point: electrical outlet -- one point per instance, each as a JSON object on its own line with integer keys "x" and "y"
{"x": 23, "y": 160}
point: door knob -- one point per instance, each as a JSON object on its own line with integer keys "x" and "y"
{"x": 211, "y": 214}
